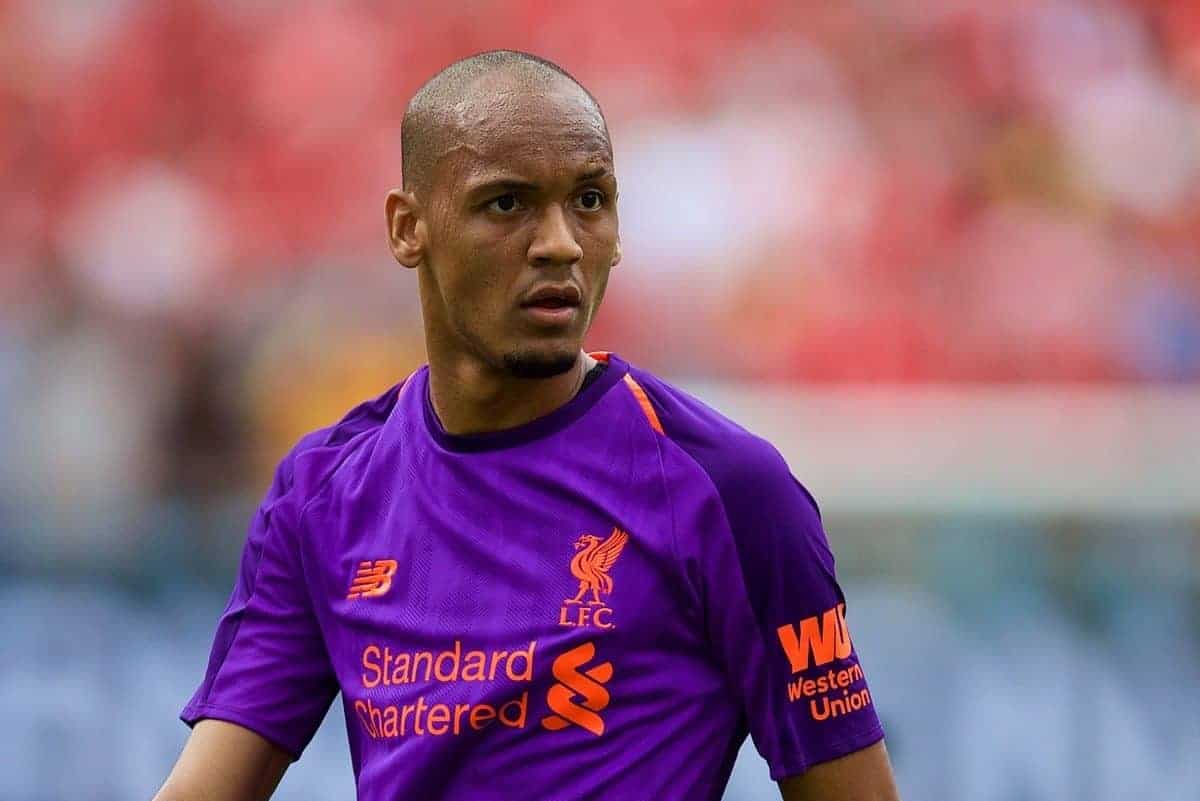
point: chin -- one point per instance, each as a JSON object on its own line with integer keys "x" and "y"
{"x": 540, "y": 363}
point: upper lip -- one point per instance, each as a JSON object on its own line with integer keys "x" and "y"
{"x": 566, "y": 293}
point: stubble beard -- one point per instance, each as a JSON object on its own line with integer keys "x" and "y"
{"x": 523, "y": 362}
{"x": 532, "y": 364}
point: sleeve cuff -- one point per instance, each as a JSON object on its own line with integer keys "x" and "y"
{"x": 193, "y": 713}
{"x": 784, "y": 767}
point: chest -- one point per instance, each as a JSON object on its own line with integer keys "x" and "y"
{"x": 506, "y": 606}
{"x": 484, "y": 582}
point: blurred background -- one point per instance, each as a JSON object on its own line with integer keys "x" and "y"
{"x": 944, "y": 253}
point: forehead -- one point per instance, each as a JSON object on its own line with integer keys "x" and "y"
{"x": 539, "y": 131}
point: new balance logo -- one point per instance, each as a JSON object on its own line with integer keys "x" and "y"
{"x": 372, "y": 579}
{"x": 826, "y": 638}
{"x": 588, "y": 684}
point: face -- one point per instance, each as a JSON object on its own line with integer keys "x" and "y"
{"x": 520, "y": 229}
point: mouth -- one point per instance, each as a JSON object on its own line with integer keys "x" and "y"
{"x": 552, "y": 304}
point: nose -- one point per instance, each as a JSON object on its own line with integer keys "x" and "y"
{"x": 554, "y": 242}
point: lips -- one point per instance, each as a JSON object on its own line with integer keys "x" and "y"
{"x": 552, "y": 306}
{"x": 553, "y": 296}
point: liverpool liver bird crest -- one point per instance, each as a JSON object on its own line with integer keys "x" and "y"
{"x": 592, "y": 563}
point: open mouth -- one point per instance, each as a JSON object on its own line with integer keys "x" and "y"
{"x": 552, "y": 304}
{"x": 553, "y": 296}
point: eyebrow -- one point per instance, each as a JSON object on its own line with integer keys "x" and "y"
{"x": 519, "y": 185}
{"x": 593, "y": 174}
{"x": 508, "y": 184}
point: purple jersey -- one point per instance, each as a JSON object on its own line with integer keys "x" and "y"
{"x": 602, "y": 602}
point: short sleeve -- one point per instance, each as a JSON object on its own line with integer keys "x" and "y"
{"x": 268, "y": 670}
{"x": 774, "y": 614}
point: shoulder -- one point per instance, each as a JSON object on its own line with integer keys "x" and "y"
{"x": 771, "y": 529}
{"x": 745, "y": 468}
{"x": 319, "y": 454}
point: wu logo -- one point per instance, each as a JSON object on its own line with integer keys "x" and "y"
{"x": 593, "y": 559}
{"x": 572, "y": 684}
{"x": 372, "y": 579}
{"x": 825, "y": 638}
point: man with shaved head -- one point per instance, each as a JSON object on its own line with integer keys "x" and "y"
{"x": 531, "y": 571}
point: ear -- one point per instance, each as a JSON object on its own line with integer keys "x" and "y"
{"x": 405, "y": 230}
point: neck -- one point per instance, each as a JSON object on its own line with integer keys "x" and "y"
{"x": 470, "y": 398}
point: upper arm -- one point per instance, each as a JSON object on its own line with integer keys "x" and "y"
{"x": 774, "y": 613}
{"x": 225, "y": 762}
{"x": 268, "y": 669}
{"x": 864, "y": 775}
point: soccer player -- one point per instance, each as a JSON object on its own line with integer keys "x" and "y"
{"x": 532, "y": 572}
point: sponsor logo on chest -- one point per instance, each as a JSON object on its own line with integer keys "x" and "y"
{"x": 575, "y": 701}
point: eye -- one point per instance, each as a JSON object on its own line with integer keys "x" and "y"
{"x": 591, "y": 200}
{"x": 505, "y": 204}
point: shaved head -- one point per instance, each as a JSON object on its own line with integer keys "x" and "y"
{"x": 449, "y": 104}
{"x": 509, "y": 193}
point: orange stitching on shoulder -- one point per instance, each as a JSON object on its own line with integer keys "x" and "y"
{"x": 644, "y": 402}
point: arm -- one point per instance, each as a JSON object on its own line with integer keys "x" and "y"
{"x": 864, "y": 775}
{"x": 225, "y": 762}
{"x": 269, "y": 680}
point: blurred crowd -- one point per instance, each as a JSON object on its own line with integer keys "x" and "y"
{"x": 193, "y": 267}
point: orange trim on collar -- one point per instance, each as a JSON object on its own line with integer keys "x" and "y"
{"x": 644, "y": 402}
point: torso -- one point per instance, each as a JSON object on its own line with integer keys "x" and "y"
{"x": 507, "y": 616}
